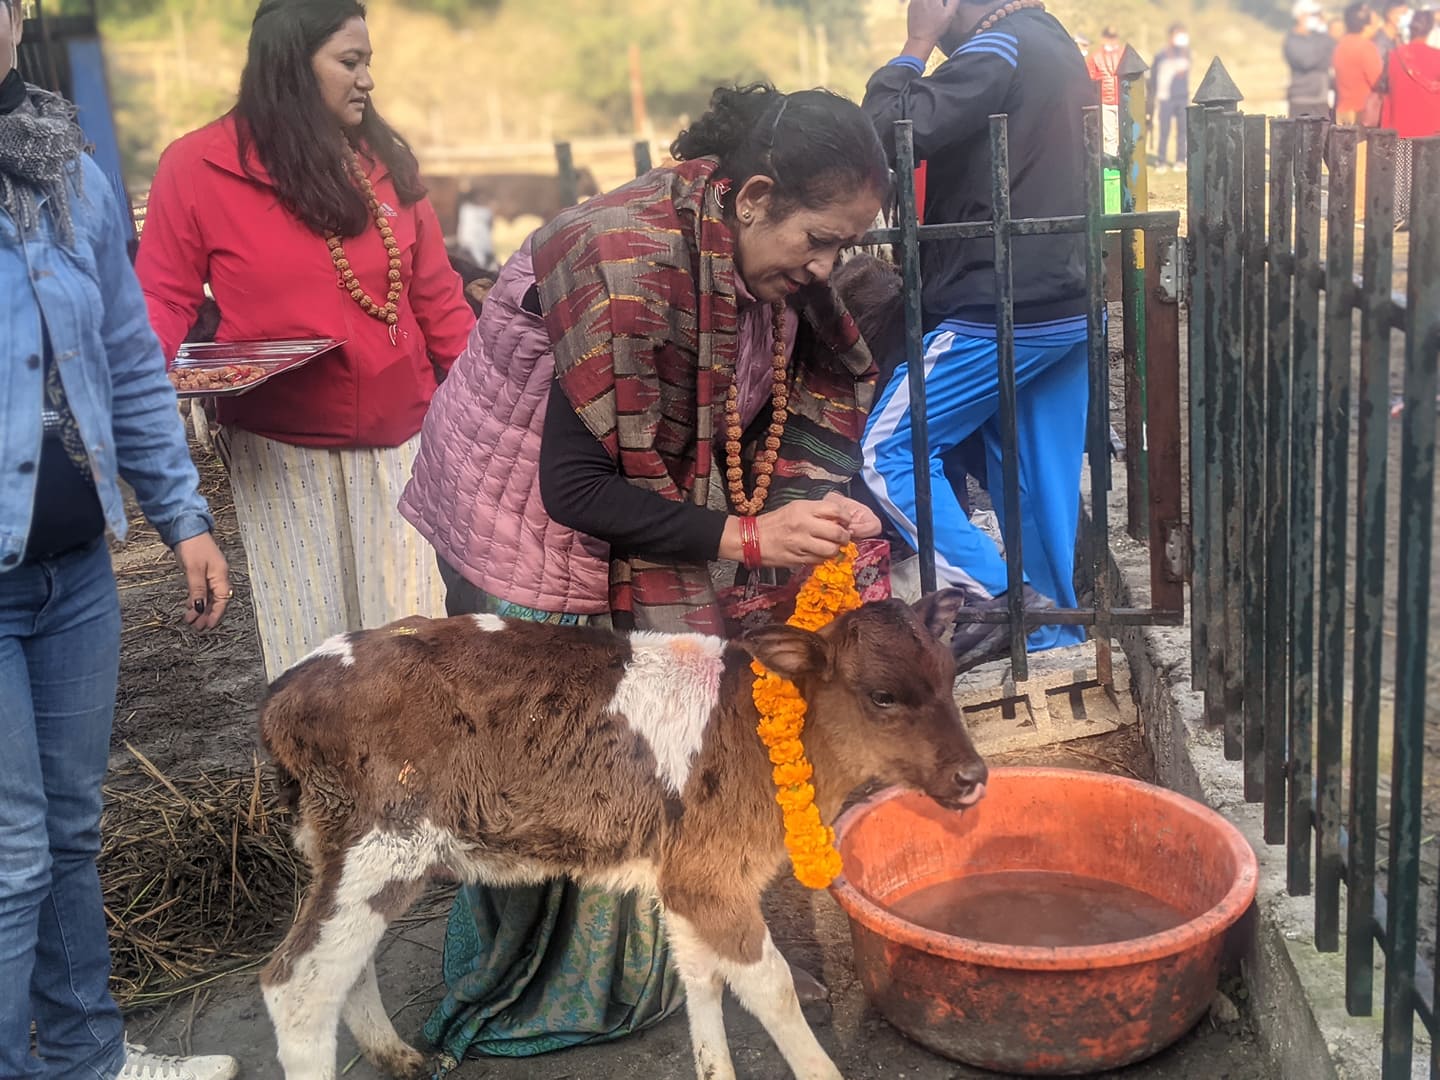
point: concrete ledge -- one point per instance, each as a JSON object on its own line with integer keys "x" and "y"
{"x": 1297, "y": 994}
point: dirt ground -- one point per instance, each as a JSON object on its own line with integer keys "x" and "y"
{"x": 188, "y": 702}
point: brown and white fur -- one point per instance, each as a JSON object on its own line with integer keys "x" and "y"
{"x": 501, "y": 752}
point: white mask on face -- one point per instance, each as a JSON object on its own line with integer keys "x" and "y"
{"x": 1404, "y": 24}
{"x": 1317, "y": 25}
{"x": 1181, "y": 41}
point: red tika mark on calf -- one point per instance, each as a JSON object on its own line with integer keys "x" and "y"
{"x": 668, "y": 695}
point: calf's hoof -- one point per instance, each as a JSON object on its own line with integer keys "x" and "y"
{"x": 403, "y": 1064}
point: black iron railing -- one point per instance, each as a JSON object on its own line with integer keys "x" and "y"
{"x": 1290, "y": 424}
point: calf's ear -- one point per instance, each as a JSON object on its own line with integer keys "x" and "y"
{"x": 938, "y": 610}
{"x": 788, "y": 652}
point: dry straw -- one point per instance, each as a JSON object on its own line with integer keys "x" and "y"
{"x": 198, "y": 876}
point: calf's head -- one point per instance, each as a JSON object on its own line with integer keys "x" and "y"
{"x": 879, "y": 687}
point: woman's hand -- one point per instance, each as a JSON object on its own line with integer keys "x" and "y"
{"x": 864, "y": 524}
{"x": 207, "y": 578}
{"x": 804, "y": 533}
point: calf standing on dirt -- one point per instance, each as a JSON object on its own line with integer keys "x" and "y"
{"x": 501, "y": 751}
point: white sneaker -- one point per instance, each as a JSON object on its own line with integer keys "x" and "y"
{"x": 142, "y": 1066}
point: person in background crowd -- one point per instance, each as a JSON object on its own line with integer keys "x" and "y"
{"x": 1394, "y": 30}
{"x": 1104, "y": 65}
{"x": 1412, "y": 101}
{"x": 1336, "y": 27}
{"x": 1170, "y": 94}
{"x": 475, "y": 230}
{"x": 1019, "y": 60}
{"x": 300, "y": 188}
{"x": 84, "y": 403}
{"x": 589, "y": 461}
{"x": 1308, "y": 49}
{"x": 1358, "y": 69}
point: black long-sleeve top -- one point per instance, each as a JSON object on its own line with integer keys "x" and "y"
{"x": 581, "y": 486}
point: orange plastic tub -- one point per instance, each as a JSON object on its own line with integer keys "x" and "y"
{"x": 1030, "y": 1009}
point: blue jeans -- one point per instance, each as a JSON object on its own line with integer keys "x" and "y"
{"x": 962, "y": 396}
{"x": 59, "y": 665}
{"x": 1172, "y": 114}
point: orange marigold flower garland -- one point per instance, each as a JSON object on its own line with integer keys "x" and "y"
{"x": 828, "y": 593}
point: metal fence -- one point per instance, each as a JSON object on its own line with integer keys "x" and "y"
{"x": 1278, "y": 375}
{"x": 1150, "y": 299}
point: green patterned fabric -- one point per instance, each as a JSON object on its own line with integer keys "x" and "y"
{"x": 541, "y": 968}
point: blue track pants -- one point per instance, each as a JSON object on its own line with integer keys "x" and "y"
{"x": 962, "y": 395}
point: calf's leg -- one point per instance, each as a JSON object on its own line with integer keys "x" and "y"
{"x": 767, "y": 990}
{"x": 364, "y": 1013}
{"x": 365, "y": 1016}
{"x": 699, "y": 967}
{"x": 732, "y": 938}
{"x": 322, "y": 959}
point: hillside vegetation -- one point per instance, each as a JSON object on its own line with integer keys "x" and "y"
{"x": 465, "y": 73}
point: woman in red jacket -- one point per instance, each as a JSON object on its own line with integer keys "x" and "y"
{"x": 301, "y": 188}
{"x": 1412, "y": 101}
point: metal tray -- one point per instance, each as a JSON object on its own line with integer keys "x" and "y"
{"x": 272, "y": 357}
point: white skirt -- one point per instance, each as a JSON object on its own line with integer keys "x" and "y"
{"x": 327, "y": 548}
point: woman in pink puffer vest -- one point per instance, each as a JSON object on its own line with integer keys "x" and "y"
{"x": 565, "y": 475}
{"x": 475, "y": 495}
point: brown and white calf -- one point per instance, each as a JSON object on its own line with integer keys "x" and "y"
{"x": 503, "y": 752}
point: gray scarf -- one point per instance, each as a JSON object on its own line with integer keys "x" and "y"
{"x": 40, "y": 145}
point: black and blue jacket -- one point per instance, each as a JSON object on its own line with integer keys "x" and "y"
{"x": 1028, "y": 67}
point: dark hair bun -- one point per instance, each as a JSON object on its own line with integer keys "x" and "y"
{"x": 815, "y": 145}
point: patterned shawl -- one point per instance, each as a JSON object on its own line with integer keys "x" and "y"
{"x": 40, "y": 147}
{"x": 638, "y": 289}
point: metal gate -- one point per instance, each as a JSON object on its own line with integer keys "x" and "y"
{"x": 62, "y": 53}
{"x": 1150, "y": 298}
{"x": 1279, "y": 387}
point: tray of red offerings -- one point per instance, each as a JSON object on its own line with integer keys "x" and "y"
{"x": 230, "y": 368}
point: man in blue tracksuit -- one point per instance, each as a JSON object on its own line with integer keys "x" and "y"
{"x": 1018, "y": 60}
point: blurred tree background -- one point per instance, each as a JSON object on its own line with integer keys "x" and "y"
{"x": 463, "y": 73}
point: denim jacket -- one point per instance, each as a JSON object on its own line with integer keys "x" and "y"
{"x": 110, "y": 366}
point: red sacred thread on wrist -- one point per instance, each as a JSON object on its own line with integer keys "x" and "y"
{"x": 750, "y": 542}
